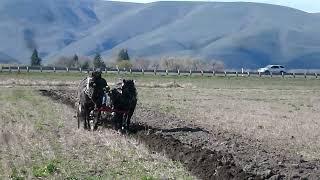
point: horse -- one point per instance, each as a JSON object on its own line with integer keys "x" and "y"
{"x": 123, "y": 99}
{"x": 86, "y": 103}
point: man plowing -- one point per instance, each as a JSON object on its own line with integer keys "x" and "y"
{"x": 99, "y": 88}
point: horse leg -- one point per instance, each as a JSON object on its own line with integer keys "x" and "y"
{"x": 129, "y": 116}
{"x": 114, "y": 121}
{"x": 97, "y": 120}
{"x": 87, "y": 118}
{"x": 85, "y": 124}
{"x": 80, "y": 115}
{"x": 117, "y": 123}
{"x": 128, "y": 120}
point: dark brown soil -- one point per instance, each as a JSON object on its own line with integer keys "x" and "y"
{"x": 208, "y": 153}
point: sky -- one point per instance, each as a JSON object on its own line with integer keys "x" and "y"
{"x": 305, "y": 5}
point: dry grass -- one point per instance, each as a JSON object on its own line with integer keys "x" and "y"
{"x": 284, "y": 117}
{"x": 39, "y": 138}
{"x": 283, "y": 113}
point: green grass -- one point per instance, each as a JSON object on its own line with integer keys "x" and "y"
{"x": 44, "y": 75}
{"x": 45, "y": 170}
{"x": 17, "y": 174}
{"x": 230, "y": 82}
{"x": 15, "y": 95}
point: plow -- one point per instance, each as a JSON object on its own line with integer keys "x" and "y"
{"x": 101, "y": 115}
{"x": 97, "y": 106}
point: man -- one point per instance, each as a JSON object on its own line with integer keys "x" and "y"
{"x": 100, "y": 87}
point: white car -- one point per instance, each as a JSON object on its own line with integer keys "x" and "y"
{"x": 272, "y": 69}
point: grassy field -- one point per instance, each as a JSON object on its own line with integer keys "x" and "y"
{"x": 151, "y": 80}
{"x": 282, "y": 113}
{"x": 39, "y": 139}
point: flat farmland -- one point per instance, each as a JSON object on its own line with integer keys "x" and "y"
{"x": 282, "y": 114}
{"x": 264, "y": 127}
{"x": 39, "y": 140}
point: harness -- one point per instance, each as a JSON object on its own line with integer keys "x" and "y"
{"x": 88, "y": 90}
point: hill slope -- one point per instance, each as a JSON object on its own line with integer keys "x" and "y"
{"x": 5, "y": 59}
{"x": 240, "y": 34}
{"x": 45, "y": 24}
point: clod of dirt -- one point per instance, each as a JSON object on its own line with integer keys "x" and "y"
{"x": 204, "y": 163}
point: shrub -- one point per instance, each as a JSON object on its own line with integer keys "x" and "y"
{"x": 44, "y": 171}
{"x": 124, "y": 64}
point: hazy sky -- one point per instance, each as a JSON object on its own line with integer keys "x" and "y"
{"x": 305, "y": 5}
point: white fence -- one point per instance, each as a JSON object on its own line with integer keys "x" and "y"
{"x": 226, "y": 73}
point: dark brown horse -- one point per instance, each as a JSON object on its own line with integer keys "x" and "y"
{"x": 123, "y": 98}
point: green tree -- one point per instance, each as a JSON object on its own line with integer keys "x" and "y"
{"x": 124, "y": 64}
{"x": 76, "y": 61}
{"x": 35, "y": 59}
{"x": 123, "y": 55}
{"x": 85, "y": 65}
{"x": 98, "y": 62}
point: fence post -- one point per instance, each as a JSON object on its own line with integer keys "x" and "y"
{"x": 18, "y": 69}
{"x": 294, "y": 75}
{"x": 242, "y": 71}
{"x": 142, "y": 70}
{"x": 248, "y": 74}
{"x": 130, "y": 70}
{"x": 118, "y": 70}
{"x": 213, "y": 73}
{"x": 190, "y": 72}
{"x": 27, "y": 68}
{"x": 259, "y": 74}
{"x": 167, "y": 73}
{"x": 80, "y": 69}
{"x": 305, "y": 75}
{"x": 178, "y": 72}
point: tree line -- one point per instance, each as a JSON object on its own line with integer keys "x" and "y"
{"x": 122, "y": 60}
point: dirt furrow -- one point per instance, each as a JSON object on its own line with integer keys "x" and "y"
{"x": 207, "y": 153}
{"x": 203, "y": 163}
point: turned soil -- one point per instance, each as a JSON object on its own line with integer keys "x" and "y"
{"x": 206, "y": 152}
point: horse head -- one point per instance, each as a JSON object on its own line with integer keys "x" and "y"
{"x": 128, "y": 88}
{"x": 123, "y": 96}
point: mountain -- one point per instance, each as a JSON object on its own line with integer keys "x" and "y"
{"x": 5, "y": 59}
{"x": 45, "y": 24}
{"x": 240, "y": 34}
